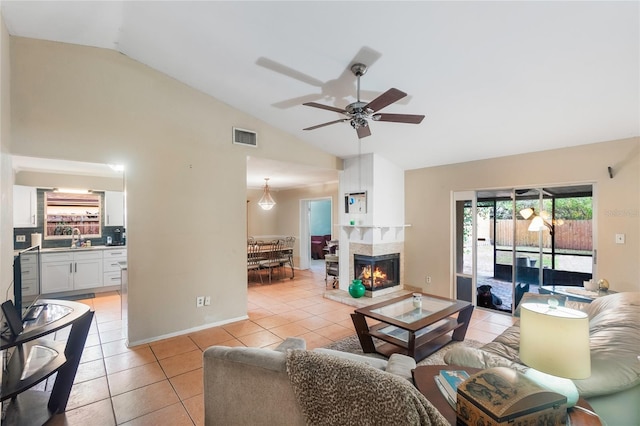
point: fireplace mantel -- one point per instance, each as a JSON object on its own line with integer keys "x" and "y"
{"x": 361, "y": 229}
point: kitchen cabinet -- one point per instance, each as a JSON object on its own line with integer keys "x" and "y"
{"x": 111, "y": 265}
{"x": 70, "y": 270}
{"x": 25, "y": 206}
{"x": 29, "y": 269}
{"x": 114, "y": 208}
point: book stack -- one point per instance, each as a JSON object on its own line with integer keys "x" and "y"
{"x": 448, "y": 381}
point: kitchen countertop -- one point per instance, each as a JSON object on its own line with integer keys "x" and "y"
{"x": 63, "y": 249}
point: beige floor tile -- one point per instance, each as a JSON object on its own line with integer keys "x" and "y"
{"x": 314, "y": 322}
{"x": 92, "y": 340}
{"x": 174, "y": 346}
{"x": 260, "y": 339}
{"x": 88, "y": 392}
{"x": 134, "y": 378}
{"x": 272, "y": 321}
{"x": 195, "y": 408}
{"x": 173, "y": 415}
{"x": 242, "y": 328}
{"x": 289, "y": 330}
{"x": 188, "y": 384}
{"x": 91, "y": 353}
{"x": 179, "y": 364}
{"x": 210, "y": 337}
{"x": 145, "y": 400}
{"x": 335, "y": 332}
{"x": 97, "y": 413}
{"x": 90, "y": 370}
{"x": 129, "y": 359}
{"x": 111, "y": 325}
{"x": 118, "y": 347}
{"x": 112, "y": 335}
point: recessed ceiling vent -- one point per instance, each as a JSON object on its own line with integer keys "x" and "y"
{"x": 245, "y": 137}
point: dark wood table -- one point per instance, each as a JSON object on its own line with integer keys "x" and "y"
{"x": 414, "y": 331}
{"x": 423, "y": 377}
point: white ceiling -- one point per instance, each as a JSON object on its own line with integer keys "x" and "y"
{"x": 492, "y": 78}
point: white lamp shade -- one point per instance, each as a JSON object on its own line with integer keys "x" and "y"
{"x": 555, "y": 340}
{"x": 537, "y": 224}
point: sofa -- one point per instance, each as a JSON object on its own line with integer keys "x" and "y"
{"x": 293, "y": 386}
{"x": 613, "y": 389}
{"x": 318, "y": 243}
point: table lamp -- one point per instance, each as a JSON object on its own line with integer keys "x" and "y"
{"x": 554, "y": 342}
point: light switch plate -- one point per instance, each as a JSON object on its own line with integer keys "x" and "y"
{"x": 619, "y": 238}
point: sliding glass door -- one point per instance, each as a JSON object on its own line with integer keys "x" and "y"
{"x": 511, "y": 241}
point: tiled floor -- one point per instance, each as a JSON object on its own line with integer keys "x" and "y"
{"x": 161, "y": 383}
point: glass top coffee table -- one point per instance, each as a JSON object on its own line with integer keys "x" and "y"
{"x": 412, "y": 329}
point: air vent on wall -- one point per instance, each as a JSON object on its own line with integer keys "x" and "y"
{"x": 245, "y": 137}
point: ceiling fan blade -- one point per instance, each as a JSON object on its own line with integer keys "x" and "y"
{"x": 326, "y": 124}
{"x": 387, "y": 98}
{"x": 363, "y": 132}
{"x": 290, "y": 72}
{"x": 399, "y": 118}
{"x": 327, "y": 107}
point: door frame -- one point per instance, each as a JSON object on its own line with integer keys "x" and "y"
{"x": 304, "y": 248}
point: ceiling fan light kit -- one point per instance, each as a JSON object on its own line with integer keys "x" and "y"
{"x": 359, "y": 113}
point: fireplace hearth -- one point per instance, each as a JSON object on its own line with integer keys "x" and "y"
{"x": 377, "y": 272}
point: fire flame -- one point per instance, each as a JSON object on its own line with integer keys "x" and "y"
{"x": 378, "y": 274}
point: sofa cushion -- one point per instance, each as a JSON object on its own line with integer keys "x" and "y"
{"x": 614, "y": 338}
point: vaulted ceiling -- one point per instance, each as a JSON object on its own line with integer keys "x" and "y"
{"x": 492, "y": 78}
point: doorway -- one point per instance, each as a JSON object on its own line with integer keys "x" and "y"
{"x": 316, "y": 224}
{"x": 512, "y": 241}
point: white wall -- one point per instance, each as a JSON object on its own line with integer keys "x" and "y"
{"x": 185, "y": 180}
{"x": 6, "y": 174}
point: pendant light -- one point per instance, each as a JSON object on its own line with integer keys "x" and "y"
{"x": 266, "y": 201}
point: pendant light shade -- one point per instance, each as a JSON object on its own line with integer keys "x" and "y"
{"x": 266, "y": 201}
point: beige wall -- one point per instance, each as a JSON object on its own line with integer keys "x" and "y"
{"x": 617, "y": 210}
{"x": 284, "y": 217}
{"x": 6, "y": 174}
{"x": 63, "y": 180}
{"x": 185, "y": 180}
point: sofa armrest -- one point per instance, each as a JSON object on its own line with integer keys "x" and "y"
{"x": 401, "y": 365}
{"x": 378, "y": 363}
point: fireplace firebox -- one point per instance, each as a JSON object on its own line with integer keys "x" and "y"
{"x": 377, "y": 272}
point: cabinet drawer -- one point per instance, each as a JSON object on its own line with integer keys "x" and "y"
{"x": 112, "y": 265}
{"x": 112, "y": 278}
{"x": 57, "y": 257}
{"x": 112, "y": 253}
{"x": 30, "y": 288}
{"x": 87, "y": 255}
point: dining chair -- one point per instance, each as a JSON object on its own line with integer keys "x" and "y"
{"x": 254, "y": 257}
{"x": 287, "y": 253}
{"x": 273, "y": 257}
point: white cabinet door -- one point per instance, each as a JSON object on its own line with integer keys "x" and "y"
{"x": 25, "y": 206}
{"x": 57, "y": 276}
{"x": 87, "y": 273}
{"x": 114, "y": 208}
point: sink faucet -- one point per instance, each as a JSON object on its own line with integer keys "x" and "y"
{"x": 76, "y": 236}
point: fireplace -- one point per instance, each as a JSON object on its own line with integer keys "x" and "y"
{"x": 377, "y": 272}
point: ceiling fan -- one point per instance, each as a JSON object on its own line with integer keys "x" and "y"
{"x": 359, "y": 113}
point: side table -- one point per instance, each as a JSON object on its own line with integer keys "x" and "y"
{"x": 423, "y": 377}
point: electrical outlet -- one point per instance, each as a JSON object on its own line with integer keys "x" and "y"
{"x": 207, "y": 300}
{"x": 21, "y": 238}
{"x": 199, "y": 301}
{"x": 427, "y": 279}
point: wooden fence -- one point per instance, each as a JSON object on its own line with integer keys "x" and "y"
{"x": 571, "y": 235}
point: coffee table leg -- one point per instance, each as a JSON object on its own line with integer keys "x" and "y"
{"x": 362, "y": 329}
{"x": 464, "y": 317}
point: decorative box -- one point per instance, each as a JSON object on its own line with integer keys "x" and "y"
{"x": 502, "y": 396}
